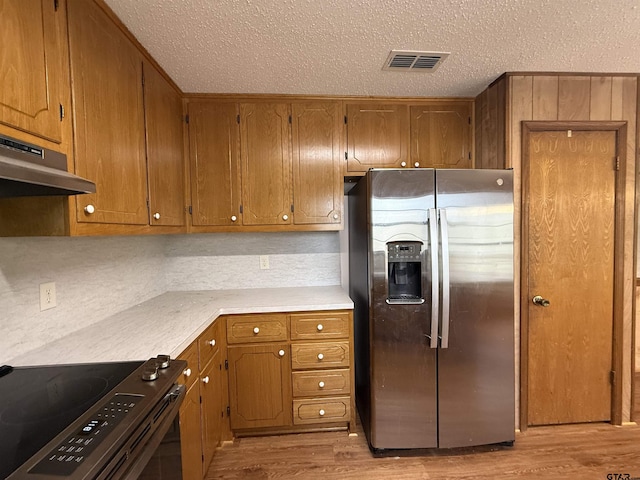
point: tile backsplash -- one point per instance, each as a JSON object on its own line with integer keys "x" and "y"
{"x": 99, "y": 276}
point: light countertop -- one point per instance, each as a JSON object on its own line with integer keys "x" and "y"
{"x": 168, "y": 323}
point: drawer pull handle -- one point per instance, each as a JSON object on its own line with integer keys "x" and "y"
{"x": 320, "y": 356}
{"x": 281, "y": 353}
{"x": 321, "y": 384}
{"x": 205, "y": 379}
{"x": 212, "y": 343}
{"x": 256, "y": 330}
{"x": 186, "y": 372}
{"x": 320, "y": 327}
{"x": 321, "y": 412}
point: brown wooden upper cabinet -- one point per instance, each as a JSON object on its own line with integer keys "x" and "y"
{"x": 274, "y": 165}
{"x": 265, "y": 159}
{"x": 377, "y": 136}
{"x": 106, "y": 73}
{"x": 317, "y": 167}
{"x": 164, "y": 135}
{"x": 441, "y": 135}
{"x": 31, "y": 32}
{"x": 214, "y": 139}
{"x": 128, "y": 127}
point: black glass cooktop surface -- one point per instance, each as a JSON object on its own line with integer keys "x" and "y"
{"x": 37, "y": 403}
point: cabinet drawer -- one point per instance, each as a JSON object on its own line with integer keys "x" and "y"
{"x": 190, "y": 374}
{"x": 319, "y": 355}
{"x": 321, "y": 382}
{"x": 321, "y": 410}
{"x": 256, "y": 328}
{"x": 210, "y": 340}
{"x": 318, "y": 326}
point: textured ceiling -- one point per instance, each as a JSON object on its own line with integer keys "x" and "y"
{"x": 338, "y": 47}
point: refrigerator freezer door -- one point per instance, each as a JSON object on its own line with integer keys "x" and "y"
{"x": 403, "y": 366}
{"x": 476, "y": 392}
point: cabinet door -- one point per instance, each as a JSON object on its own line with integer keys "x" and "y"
{"x": 260, "y": 385}
{"x": 266, "y": 164}
{"x": 441, "y": 136}
{"x": 31, "y": 66}
{"x": 210, "y": 390}
{"x": 377, "y": 136}
{"x": 190, "y": 435}
{"x": 165, "y": 165}
{"x": 317, "y": 175}
{"x": 214, "y": 138}
{"x": 106, "y": 72}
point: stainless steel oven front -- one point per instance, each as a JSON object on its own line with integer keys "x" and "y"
{"x": 92, "y": 421}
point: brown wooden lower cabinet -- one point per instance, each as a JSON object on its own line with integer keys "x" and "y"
{"x": 265, "y": 373}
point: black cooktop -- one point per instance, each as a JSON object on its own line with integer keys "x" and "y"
{"x": 37, "y": 403}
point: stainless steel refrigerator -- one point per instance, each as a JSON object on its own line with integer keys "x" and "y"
{"x": 431, "y": 277}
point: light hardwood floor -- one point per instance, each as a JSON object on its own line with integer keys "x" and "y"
{"x": 576, "y": 452}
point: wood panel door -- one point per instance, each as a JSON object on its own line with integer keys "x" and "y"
{"x": 31, "y": 66}
{"x": 260, "y": 385}
{"x": 441, "y": 136}
{"x": 210, "y": 390}
{"x": 214, "y": 138}
{"x": 106, "y": 73}
{"x": 317, "y": 167}
{"x": 571, "y": 212}
{"x": 165, "y": 164}
{"x": 266, "y": 163}
{"x": 377, "y": 136}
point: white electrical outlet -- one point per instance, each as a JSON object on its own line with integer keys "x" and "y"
{"x": 264, "y": 262}
{"x": 47, "y": 296}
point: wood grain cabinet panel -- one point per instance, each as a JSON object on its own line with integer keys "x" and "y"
{"x": 209, "y": 341}
{"x": 190, "y": 374}
{"x": 317, "y": 173}
{"x": 320, "y": 355}
{"x": 106, "y": 74}
{"x": 164, "y": 142}
{"x": 211, "y": 393}
{"x": 319, "y": 326}
{"x": 377, "y": 136}
{"x": 190, "y": 435}
{"x": 266, "y": 163}
{"x": 214, "y": 138}
{"x": 317, "y": 383}
{"x": 31, "y": 65}
{"x": 441, "y": 136}
{"x": 321, "y": 410}
{"x": 259, "y": 385}
{"x": 256, "y": 328}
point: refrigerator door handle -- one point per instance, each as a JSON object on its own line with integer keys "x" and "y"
{"x": 435, "y": 281}
{"x": 446, "y": 285}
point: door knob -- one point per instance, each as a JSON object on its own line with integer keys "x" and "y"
{"x": 543, "y": 302}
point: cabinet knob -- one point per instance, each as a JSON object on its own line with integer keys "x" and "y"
{"x": 186, "y": 372}
{"x": 256, "y": 330}
{"x": 285, "y": 217}
{"x": 212, "y": 343}
{"x": 336, "y": 216}
{"x": 89, "y": 209}
{"x": 321, "y": 384}
{"x": 321, "y": 413}
{"x": 281, "y": 353}
{"x": 403, "y": 164}
{"x": 233, "y": 218}
{"x": 205, "y": 379}
{"x": 156, "y": 216}
{"x": 320, "y": 327}
{"x": 417, "y": 164}
{"x": 320, "y": 356}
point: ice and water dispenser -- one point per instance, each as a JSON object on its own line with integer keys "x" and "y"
{"x": 404, "y": 272}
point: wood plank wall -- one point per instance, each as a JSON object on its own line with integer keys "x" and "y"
{"x": 550, "y": 97}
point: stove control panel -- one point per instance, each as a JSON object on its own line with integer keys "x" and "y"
{"x": 68, "y": 455}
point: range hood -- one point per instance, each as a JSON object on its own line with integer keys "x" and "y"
{"x": 28, "y": 170}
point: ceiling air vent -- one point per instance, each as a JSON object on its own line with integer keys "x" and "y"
{"x": 414, "y": 61}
